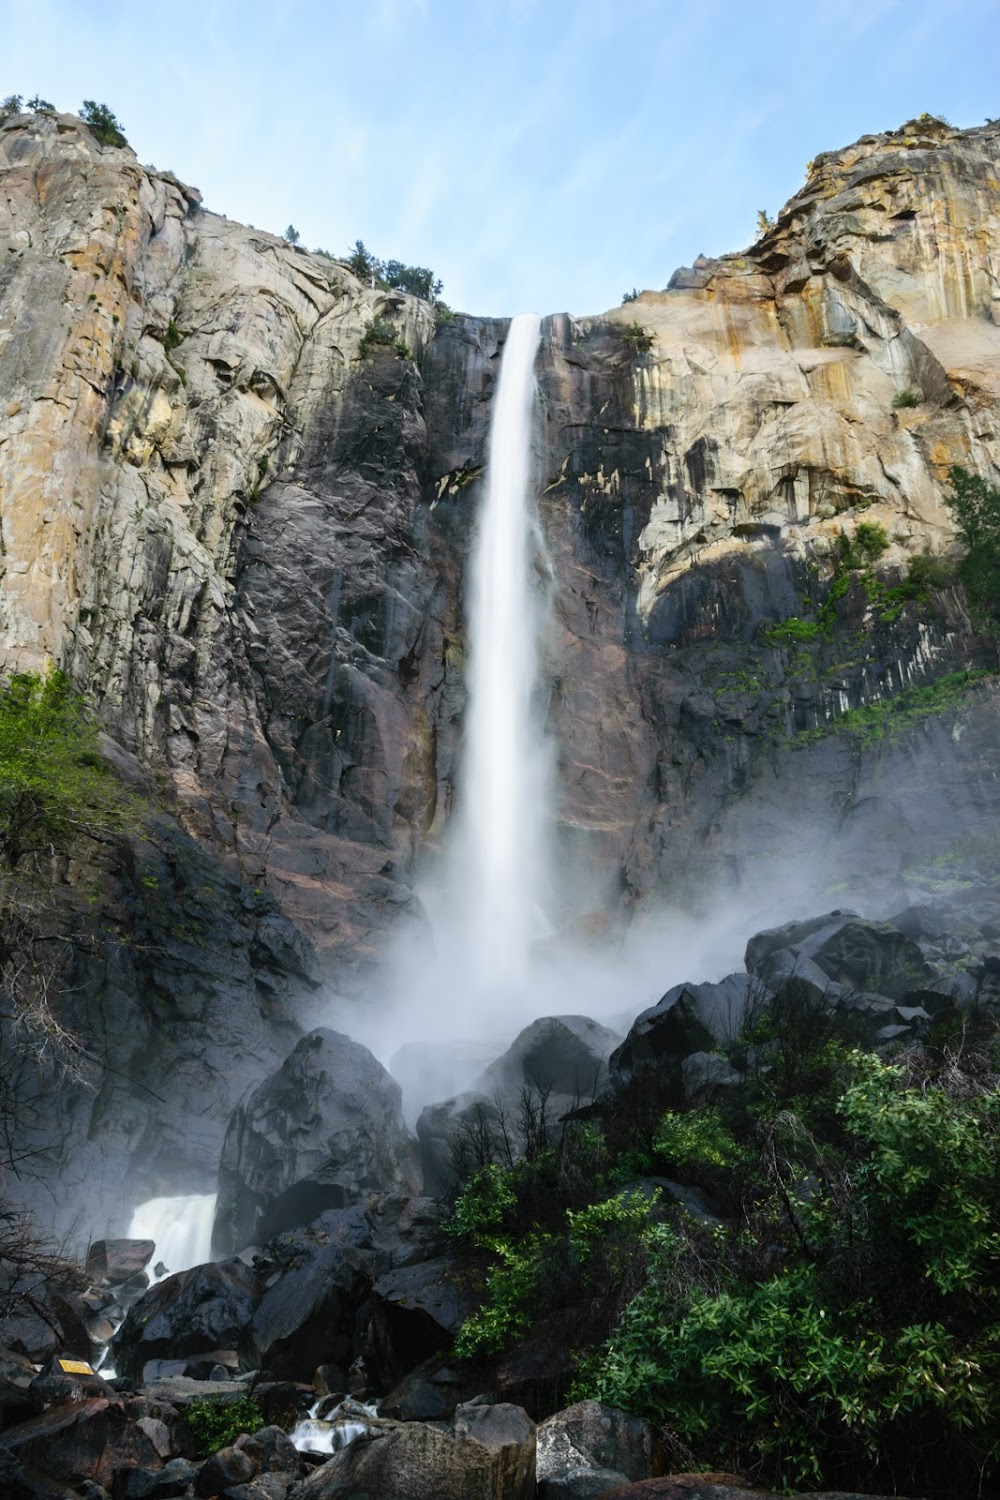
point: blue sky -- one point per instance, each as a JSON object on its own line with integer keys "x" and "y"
{"x": 538, "y": 154}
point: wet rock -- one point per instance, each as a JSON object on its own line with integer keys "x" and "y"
{"x": 116, "y": 1261}
{"x": 175, "y": 1478}
{"x": 582, "y": 1483}
{"x": 485, "y": 1451}
{"x": 75, "y": 1440}
{"x": 195, "y": 1312}
{"x": 228, "y": 1467}
{"x": 428, "y": 1393}
{"x": 272, "y": 1449}
{"x": 552, "y": 1066}
{"x": 416, "y": 1312}
{"x": 308, "y": 1316}
{"x": 870, "y": 957}
{"x": 690, "y": 1019}
{"x": 321, "y": 1132}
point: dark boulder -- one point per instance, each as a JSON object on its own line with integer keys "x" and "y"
{"x": 554, "y": 1065}
{"x": 429, "y": 1393}
{"x": 870, "y": 957}
{"x": 416, "y": 1312}
{"x": 195, "y": 1312}
{"x": 308, "y": 1317}
{"x": 691, "y": 1018}
{"x": 484, "y": 1451}
{"x": 76, "y": 1440}
{"x": 323, "y": 1131}
{"x": 230, "y": 1466}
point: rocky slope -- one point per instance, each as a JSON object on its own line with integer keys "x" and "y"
{"x": 247, "y": 541}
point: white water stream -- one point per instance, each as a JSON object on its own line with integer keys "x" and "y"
{"x": 500, "y": 850}
{"x": 181, "y": 1229}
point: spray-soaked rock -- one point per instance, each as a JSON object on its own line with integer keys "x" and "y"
{"x": 691, "y": 1018}
{"x": 590, "y": 1436}
{"x": 552, "y": 1066}
{"x": 321, "y": 1132}
{"x": 199, "y": 1311}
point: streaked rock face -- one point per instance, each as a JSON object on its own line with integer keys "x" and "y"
{"x": 248, "y": 541}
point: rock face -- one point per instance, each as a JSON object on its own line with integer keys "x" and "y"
{"x": 323, "y": 1131}
{"x": 195, "y": 1312}
{"x": 246, "y": 541}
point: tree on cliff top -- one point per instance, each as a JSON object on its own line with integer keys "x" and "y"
{"x": 103, "y": 124}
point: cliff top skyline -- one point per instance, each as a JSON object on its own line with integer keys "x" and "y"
{"x": 539, "y": 156}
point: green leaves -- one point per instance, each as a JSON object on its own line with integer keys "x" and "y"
{"x": 976, "y": 508}
{"x": 54, "y": 783}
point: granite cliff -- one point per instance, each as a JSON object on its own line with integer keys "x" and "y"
{"x": 243, "y": 533}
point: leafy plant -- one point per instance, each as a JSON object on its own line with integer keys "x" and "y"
{"x": 215, "y": 1424}
{"x": 632, "y": 296}
{"x": 764, "y": 221}
{"x": 37, "y": 103}
{"x": 9, "y": 107}
{"x": 394, "y": 274}
{"x": 104, "y": 125}
{"x": 54, "y": 783}
{"x": 906, "y": 398}
{"x": 976, "y": 508}
{"x": 380, "y": 334}
{"x": 292, "y": 235}
{"x": 173, "y": 337}
{"x": 637, "y": 339}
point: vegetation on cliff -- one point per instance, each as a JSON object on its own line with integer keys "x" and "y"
{"x": 976, "y": 508}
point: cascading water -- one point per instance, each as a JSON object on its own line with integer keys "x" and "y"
{"x": 181, "y": 1229}
{"x": 499, "y": 858}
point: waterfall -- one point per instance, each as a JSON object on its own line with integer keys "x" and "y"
{"x": 181, "y": 1229}
{"x": 500, "y": 852}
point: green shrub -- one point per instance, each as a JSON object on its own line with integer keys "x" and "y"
{"x": 848, "y": 1333}
{"x": 173, "y": 337}
{"x": 215, "y": 1424}
{"x": 417, "y": 280}
{"x": 9, "y": 107}
{"x": 54, "y": 783}
{"x": 871, "y": 540}
{"x": 102, "y": 123}
{"x": 636, "y": 338}
{"x": 696, "y": 1137}
{"x": 906, "y": 398}
{"x": 381, "y": 334}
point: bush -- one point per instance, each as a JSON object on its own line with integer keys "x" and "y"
{"x": 216, "y": 1424}
{"x": 9, "y": 107}
{"x": 906, "y": 398}
{"x": 636, "y": 338}
{"x": 54, "y": 783}
{"x": 846, "y": 1333}
{"x": 394, "y": 274}
{"x": 381, "y": 334}
{"x": 102, "y": 123}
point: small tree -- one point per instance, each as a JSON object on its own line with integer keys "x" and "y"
{"x": 102, "y": 123}
{"x": 292, "y": 235}
{"x": 764, "y": 221}
{"x": 38, "y": 103}
{"x": 10, "y": 106}
{"x": 975, "y": 505}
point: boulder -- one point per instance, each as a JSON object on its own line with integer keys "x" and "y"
{"x": 583, "y": 1483}
{"x": 416, "y": 1312}
{"x": 690, "y": 1019}
{"x": 428, "y": 1393}
{"x": 78, "y": 1440}
{"x": 591, "y": 1436}
{"x": 307, "y": 1318}
{"x": 174, "y": 1479}
{"x": 871, "y": 957}
{"x": 115, "y": 1261}
{"x": 204, "y": 1309}
{"x": 230, "y": 1466}
{"x": 558, "y": 1061}
{"x": 484, "y": 1451}
{"x": 322, "y": 1132}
